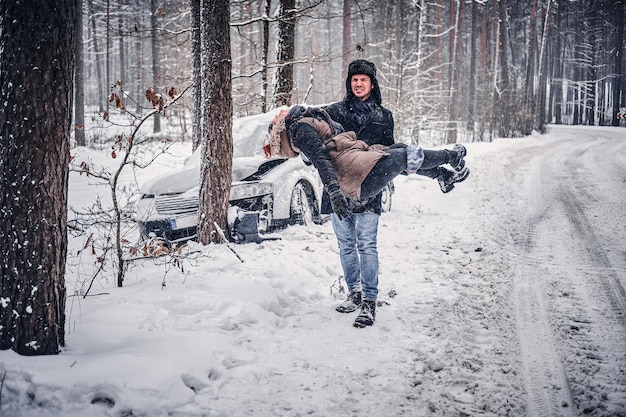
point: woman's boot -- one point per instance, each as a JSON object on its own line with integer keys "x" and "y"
{"x": 448, "y": 178}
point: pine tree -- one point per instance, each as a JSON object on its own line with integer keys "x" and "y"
{"x": 36, "y": 91}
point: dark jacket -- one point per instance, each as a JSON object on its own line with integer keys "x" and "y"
{"x": 374, "y": 126}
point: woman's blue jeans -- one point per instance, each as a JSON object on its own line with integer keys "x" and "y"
{"x": 358, "y": 251}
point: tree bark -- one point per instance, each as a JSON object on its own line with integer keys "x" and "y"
{"x": 503, "y": 100}
{"x": 196, "y": 69}
{"x": 346, "y": 39}
{"x": 618, "y": 98}
{"x": 471, "y": 102}
{"x": 217, "y": 144}
{"x": 284, "y": 56}
{"x": 556, "y": 72}
{"x": 79, "y": 80}
{"x": 265, "y": 53}
{"x": 100, "y": 81}
{"x": 540, "y": 104}
{"x": 107, "y": 61}
{"x": 121, "y": 49}
{"x": 36, "y": 88}
{"x": 155, "y": 59}
{"x": 453, "y": 80}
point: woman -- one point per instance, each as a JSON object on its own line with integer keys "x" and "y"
{"x": 347, "y": 166}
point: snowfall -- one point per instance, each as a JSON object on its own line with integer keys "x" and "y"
{"x": 504, "y": 297}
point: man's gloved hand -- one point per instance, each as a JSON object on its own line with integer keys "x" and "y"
{"x": 337, "y": 201}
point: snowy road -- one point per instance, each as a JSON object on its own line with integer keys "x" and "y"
{"x": 568, "y": 287}
{"x": 557, "y": 252}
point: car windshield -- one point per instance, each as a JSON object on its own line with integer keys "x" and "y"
{"x": 249, "y": 133}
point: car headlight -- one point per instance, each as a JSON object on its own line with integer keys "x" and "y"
{"x": 250, "y": 189}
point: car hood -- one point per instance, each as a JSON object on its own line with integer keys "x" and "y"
{"x": 189, "y": 177}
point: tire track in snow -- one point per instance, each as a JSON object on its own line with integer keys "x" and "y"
{"x": 569, "y": 300}
{"x": 611, "y": 283}
{"x": 548, "y": 390}
{"x": 592, "y": 200}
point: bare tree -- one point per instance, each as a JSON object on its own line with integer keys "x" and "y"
{"x": 471, "y": 102}
{"x": 453, "y": 77}
{"x": 285, "y": 53}
{"x": 196, "y": 69}
{"x": 97, "y": 59}
{"x": 265, "y": 55}
{"x": 541, "y": 101}
{"x": 155, "y": 58}
{"x": 36, "y": 89}
{"x": 79, "y": 79}
{"x": 346, "y": 38}
{"x": 217, "y": 142}
{"x": 112, "y": 221}
{"x": 618, "y": 95}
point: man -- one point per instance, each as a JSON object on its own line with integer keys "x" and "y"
{"x": 361, "y": 111}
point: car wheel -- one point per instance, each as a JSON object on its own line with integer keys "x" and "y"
{"x": 386, "y": 198}
{"x": 303, "y": 209}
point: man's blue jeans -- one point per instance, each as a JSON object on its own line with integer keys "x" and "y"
{"x": 358, "y": 252}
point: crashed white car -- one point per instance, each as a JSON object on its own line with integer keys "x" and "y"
{"x": 266, "y": 194}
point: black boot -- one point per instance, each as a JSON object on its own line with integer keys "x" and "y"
{"x": 447, "y": 178}
{"x": 353, "y": 301}
{"x": 367, "y": 315}
{"x": 456, "y": 157}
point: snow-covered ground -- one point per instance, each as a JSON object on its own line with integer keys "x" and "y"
{"x": 504, "y": 297}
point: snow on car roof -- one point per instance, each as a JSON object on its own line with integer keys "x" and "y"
{"x": 249, "y": 133}
{"x": 248, "y": 136}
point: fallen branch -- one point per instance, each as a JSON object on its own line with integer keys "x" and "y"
{"x": 223, "y": 236}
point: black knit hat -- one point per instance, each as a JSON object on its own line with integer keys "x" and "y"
{"x": 362, "y": 66}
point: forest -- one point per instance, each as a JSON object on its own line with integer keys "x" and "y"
{"x": 449, "y": 69}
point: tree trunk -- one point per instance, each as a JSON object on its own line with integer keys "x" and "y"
{"x": 196, "y": 69}
{"x": 285, "y": 53}
{"x": 36, "y": 89}
{"x": 155, "y": 59}
{"x": 265, "y": 53}
{"x": 100, "y": 82}
{"x": 79, "y": 80}
{"x": 503, "y": 97}
{"x": 121, "y": 49}
{"x": 528, "y": 104}
{"x": 398, "y": 62}
{"x": 453, "y": 80}
{"x": 619, "y": 89}
{"x": 540, "y": 105}
{"x": 556, "y": 96}
{"x": 346, "y": 38}
{"x": 107, "y": 68}
{"x": 217, "y": 144}
{"x": 471, "y": 102}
